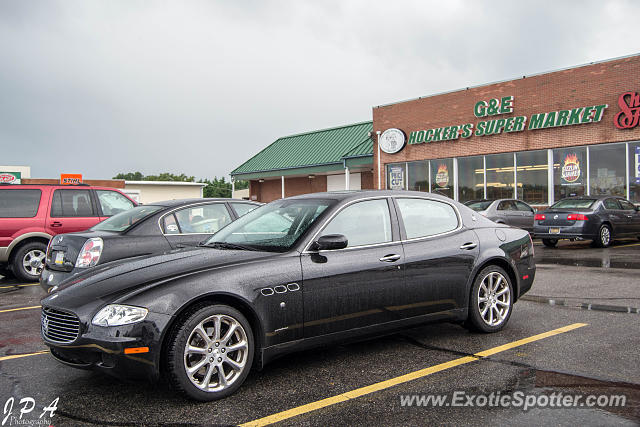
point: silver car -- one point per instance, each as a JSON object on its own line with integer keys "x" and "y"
{"x": 505, "y": 211}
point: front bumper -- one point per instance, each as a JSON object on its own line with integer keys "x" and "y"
{"x": 103, "y": 348}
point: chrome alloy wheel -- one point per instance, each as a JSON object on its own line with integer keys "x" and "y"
{"x": 33, "y": 261}
{"x": 494, "y": 299}
{"x": 605, "y": 236}
{"x": 216, "y": 353}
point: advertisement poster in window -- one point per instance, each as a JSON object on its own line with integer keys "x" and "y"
{"x": 442, "y": 177}
{"x": 396, "y": 177}
{"x": 571, "y": 173}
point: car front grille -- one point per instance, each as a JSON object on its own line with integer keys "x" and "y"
{"x": 59, "y": 326}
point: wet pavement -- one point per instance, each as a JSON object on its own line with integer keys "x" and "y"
{"x": 597, "y": 359}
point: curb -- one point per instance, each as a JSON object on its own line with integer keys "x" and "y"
{"x": 581, "y": 305}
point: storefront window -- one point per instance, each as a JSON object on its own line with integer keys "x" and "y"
{"x": 500, "y": 176}
{"x": 634, "y": 171}
{"x": 569, "y": 172}
{"x": 418, "y": 176}
{"x": 607, "y": 170}
{"x": 442, "y": 177}
{"x": 532, "y": 177}
{"x": 396, "y": 176}
{"x": 470, "y": 178}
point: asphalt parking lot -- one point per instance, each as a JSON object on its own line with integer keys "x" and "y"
{"x": 576, "y": 333}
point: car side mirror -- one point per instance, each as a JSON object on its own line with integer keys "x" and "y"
{"x": 330, "y": 242}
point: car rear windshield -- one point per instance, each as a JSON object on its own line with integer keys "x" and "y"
{"x": 273, "y": 228}
{"x": 124, "y": 220}
{"x": 479, "y": 206}
{"x": 19, "y": 203}
{"x": 574, "y": 204}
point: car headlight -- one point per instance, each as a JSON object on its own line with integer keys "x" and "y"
{"x": 118, "y": 315}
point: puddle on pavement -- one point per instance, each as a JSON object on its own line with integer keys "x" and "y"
{"x": 547, "y": 382}
{"x": 604, "y": 262}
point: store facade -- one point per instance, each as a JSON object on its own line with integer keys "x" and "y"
{"x": 538, "y": 138}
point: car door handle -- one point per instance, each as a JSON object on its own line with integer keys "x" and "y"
{"x": 56, "y": 224}
{"x": 469, "y": 246}
{"x": 390, "y": 258}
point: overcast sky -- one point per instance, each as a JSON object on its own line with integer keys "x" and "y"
{"x": 198, "y": 87}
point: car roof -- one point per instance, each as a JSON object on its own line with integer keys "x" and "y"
{"x": 181, "y": 202}
{"x": 346, "y": 195}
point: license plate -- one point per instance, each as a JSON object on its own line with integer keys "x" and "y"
{"x": 59, "y": 258}
{"x": 554, "y": 231}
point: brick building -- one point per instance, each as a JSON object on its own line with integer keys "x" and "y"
{"x": 324, "y": 160}
{"x": 538, "y": 138}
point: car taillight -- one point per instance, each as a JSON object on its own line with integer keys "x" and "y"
{"x": 90, "y": 253}
{"x": 539, "y": 217}
{"x": 577, "y": 217}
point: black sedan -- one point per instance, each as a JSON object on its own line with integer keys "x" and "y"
{"x": 143, "y": 230}
{"x": 600, "y": 219}
{"x": 296, "y": 273}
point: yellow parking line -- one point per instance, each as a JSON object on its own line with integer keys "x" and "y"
{"x": 18, "y": 356}
{"x": 19, "y": 286}
{"x": 20, "y": 308}
{"x": 626, "y": 246}
{"x": 309, "y": 407}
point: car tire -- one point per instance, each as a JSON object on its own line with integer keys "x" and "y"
{"x": 491, "y": 301}
{"x": 28, "y": 261}
{"x": 189, "y": 348}
{"x": 550, "y": 243}
{"x": 605, "y": 237}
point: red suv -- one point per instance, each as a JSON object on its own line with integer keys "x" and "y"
{"x": 31, "y": 214}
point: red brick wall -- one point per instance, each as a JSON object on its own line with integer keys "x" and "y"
{"x": 578, "y": 87}
{"x": 366, "y": 181}
{"x": 271, "y": 189}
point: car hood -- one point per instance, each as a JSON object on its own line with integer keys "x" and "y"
{"x": 111, "y": 280}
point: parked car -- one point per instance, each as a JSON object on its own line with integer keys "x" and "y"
{"x": 512, "y": 212}
{"x": 30, "y": 215}
{"x": 601, "y": 219}
{"x": 295, "y": 273}
{"x": 143, "y": 230}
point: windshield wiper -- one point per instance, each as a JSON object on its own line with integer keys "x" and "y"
{"x": 226, "y": 245}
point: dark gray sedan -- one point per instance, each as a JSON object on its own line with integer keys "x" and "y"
{"x": 143, "y": 230}
{"x": 297, "y": 273}
{"x": 600, "y": 218}
{"x": 505, "y": 211}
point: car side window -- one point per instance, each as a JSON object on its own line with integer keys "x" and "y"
{"x": 170, "y": 225}
{"x": 113, "y": 202}
{"x": 424, "y": 217}
{"x": 611, "y": 204}
{"x": 506, "y": 205}
{"x": 523, "y": 207}
{"x": 363, "y": 223}
{"x": 243, "y": 208}
{"x": 72, "y": 203}
{"x": 627, "y": 205}
{"x": 203, "y": 219}
{"x": 19, "y": 203}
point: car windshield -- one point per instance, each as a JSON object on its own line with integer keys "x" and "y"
{"x": 479, "y": 206}
{"x": 574, "y": 204}
{"x": 274, "y": 227}
{"x": 124, "y": 220}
